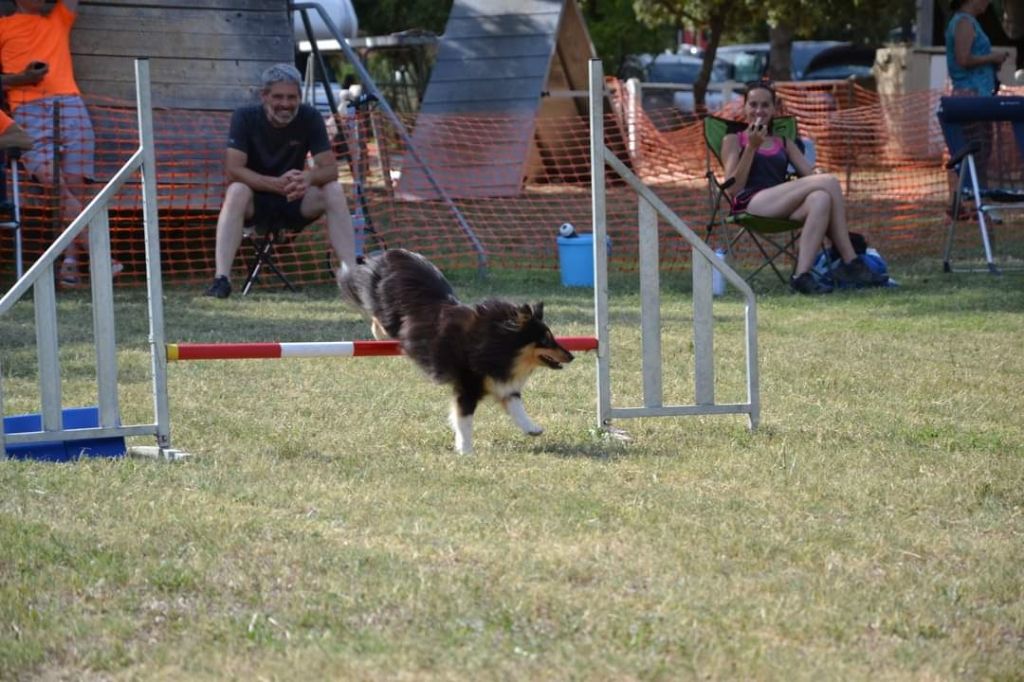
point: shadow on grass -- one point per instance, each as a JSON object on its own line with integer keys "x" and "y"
{"x": 593, "y": 446}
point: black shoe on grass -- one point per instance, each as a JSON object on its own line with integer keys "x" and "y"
{"x": 857, "y": 273}
{"x": 221, "y": 288}
{"x": 806, "y": 284}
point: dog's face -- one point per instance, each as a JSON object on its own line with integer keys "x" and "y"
{"x": 541, "y": 347}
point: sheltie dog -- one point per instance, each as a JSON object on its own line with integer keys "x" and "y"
{"x": 490, "y": 348}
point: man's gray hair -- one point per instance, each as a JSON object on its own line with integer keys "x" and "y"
{"x": 281, "y": 73}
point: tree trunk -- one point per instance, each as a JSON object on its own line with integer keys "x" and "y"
{"x": 780, "y": 63}
{"x": 716, "y": 24}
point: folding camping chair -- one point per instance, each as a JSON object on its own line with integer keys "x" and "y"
{"x": 263, "y": 244}
{"x": 774, "y": 237}
{"x": 961, "y": 119}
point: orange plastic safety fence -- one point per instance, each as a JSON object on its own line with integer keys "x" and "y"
{"x": 495, "y": 188}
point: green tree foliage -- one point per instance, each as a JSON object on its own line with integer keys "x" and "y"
{"x": 714, "y": 15}
{"x": 859, "y": 21}
{"x": 616, "y": 33}
{"x": 865, "y": 21}
{"x": 381, "y": 17}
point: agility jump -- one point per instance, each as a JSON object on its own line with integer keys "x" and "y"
{"x": 649, "y": 208}
{"x": 316, "y": 349}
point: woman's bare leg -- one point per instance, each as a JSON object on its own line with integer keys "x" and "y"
{"x": 785, "y": 200}
{"x": 838, "y": 231}
{"x": 815, "y": 212}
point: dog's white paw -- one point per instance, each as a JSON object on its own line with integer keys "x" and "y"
{"x": 463, "y": 427}
{"x": 514, "y": 407}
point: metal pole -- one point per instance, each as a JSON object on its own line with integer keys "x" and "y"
{"x": 104, "y": 330}
{"x": 849, "y": 138}
{"x": 597, "y": 189}
{"x": 273, "y": 350}
{"x": 321, "y": 65}
{"x": 3, "y": 447}
{"x": 154, "y": 283}
{"x": 650, "y": 303}
{"x": 57, "y": 161}
{"x": 19, "y": 264}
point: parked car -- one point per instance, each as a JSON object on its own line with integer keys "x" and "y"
{"x": 669, "y": 77}
{"x": 839, "y": 62}
{"x": 751, "y": 61}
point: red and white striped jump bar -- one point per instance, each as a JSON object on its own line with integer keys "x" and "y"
{"x": 322, "y": 349}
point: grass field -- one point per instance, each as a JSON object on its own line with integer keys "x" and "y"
{"x": 872, "y": 528}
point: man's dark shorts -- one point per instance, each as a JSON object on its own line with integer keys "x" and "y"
{"x": 274, "y": 212}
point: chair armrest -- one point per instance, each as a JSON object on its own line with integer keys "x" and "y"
{"x": 729, "y": 182}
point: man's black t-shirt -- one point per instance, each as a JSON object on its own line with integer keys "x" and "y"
{"x": 274, "y": 151}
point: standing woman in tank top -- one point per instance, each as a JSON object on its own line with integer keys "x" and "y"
{"x": 758, "y": 161}
{"x": 972, "y": 69}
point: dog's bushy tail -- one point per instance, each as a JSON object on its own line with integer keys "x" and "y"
{"x": 347, "y": 284}
{"x": 411, "y": 280}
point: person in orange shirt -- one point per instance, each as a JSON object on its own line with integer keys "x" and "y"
{"x": 35, "y": 52}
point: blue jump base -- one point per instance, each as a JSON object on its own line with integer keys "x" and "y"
{"x": 62, "y": 451}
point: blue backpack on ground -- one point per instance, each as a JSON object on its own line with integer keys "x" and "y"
{"x": 822, "y": 272}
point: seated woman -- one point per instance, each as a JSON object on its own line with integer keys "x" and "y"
{"x": 758, "y": 160}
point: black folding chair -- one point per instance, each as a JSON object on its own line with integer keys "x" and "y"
{"x": 263, "y": 243}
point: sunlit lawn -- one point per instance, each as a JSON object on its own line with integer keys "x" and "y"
{"x": 324, "y": 528}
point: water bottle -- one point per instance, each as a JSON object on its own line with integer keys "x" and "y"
{"x": 717, "y": 278}
{"x": 359, "y": 231}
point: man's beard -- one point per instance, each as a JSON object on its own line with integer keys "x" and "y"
{"x": 281, "y": 117}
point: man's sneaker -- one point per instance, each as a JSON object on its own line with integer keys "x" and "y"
{"x": 221, "y": 287}
{"x": 806, "y": 284}
{"x": 857, "y": 273}
{"x": 68, "y": 276}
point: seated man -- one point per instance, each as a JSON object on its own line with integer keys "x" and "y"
{"x": 269, "y": 183}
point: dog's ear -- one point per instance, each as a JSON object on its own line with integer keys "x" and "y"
{"x": 523, "y": 315}
{"x": 517, "y": 319}
{"x": 538, "y": 311}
